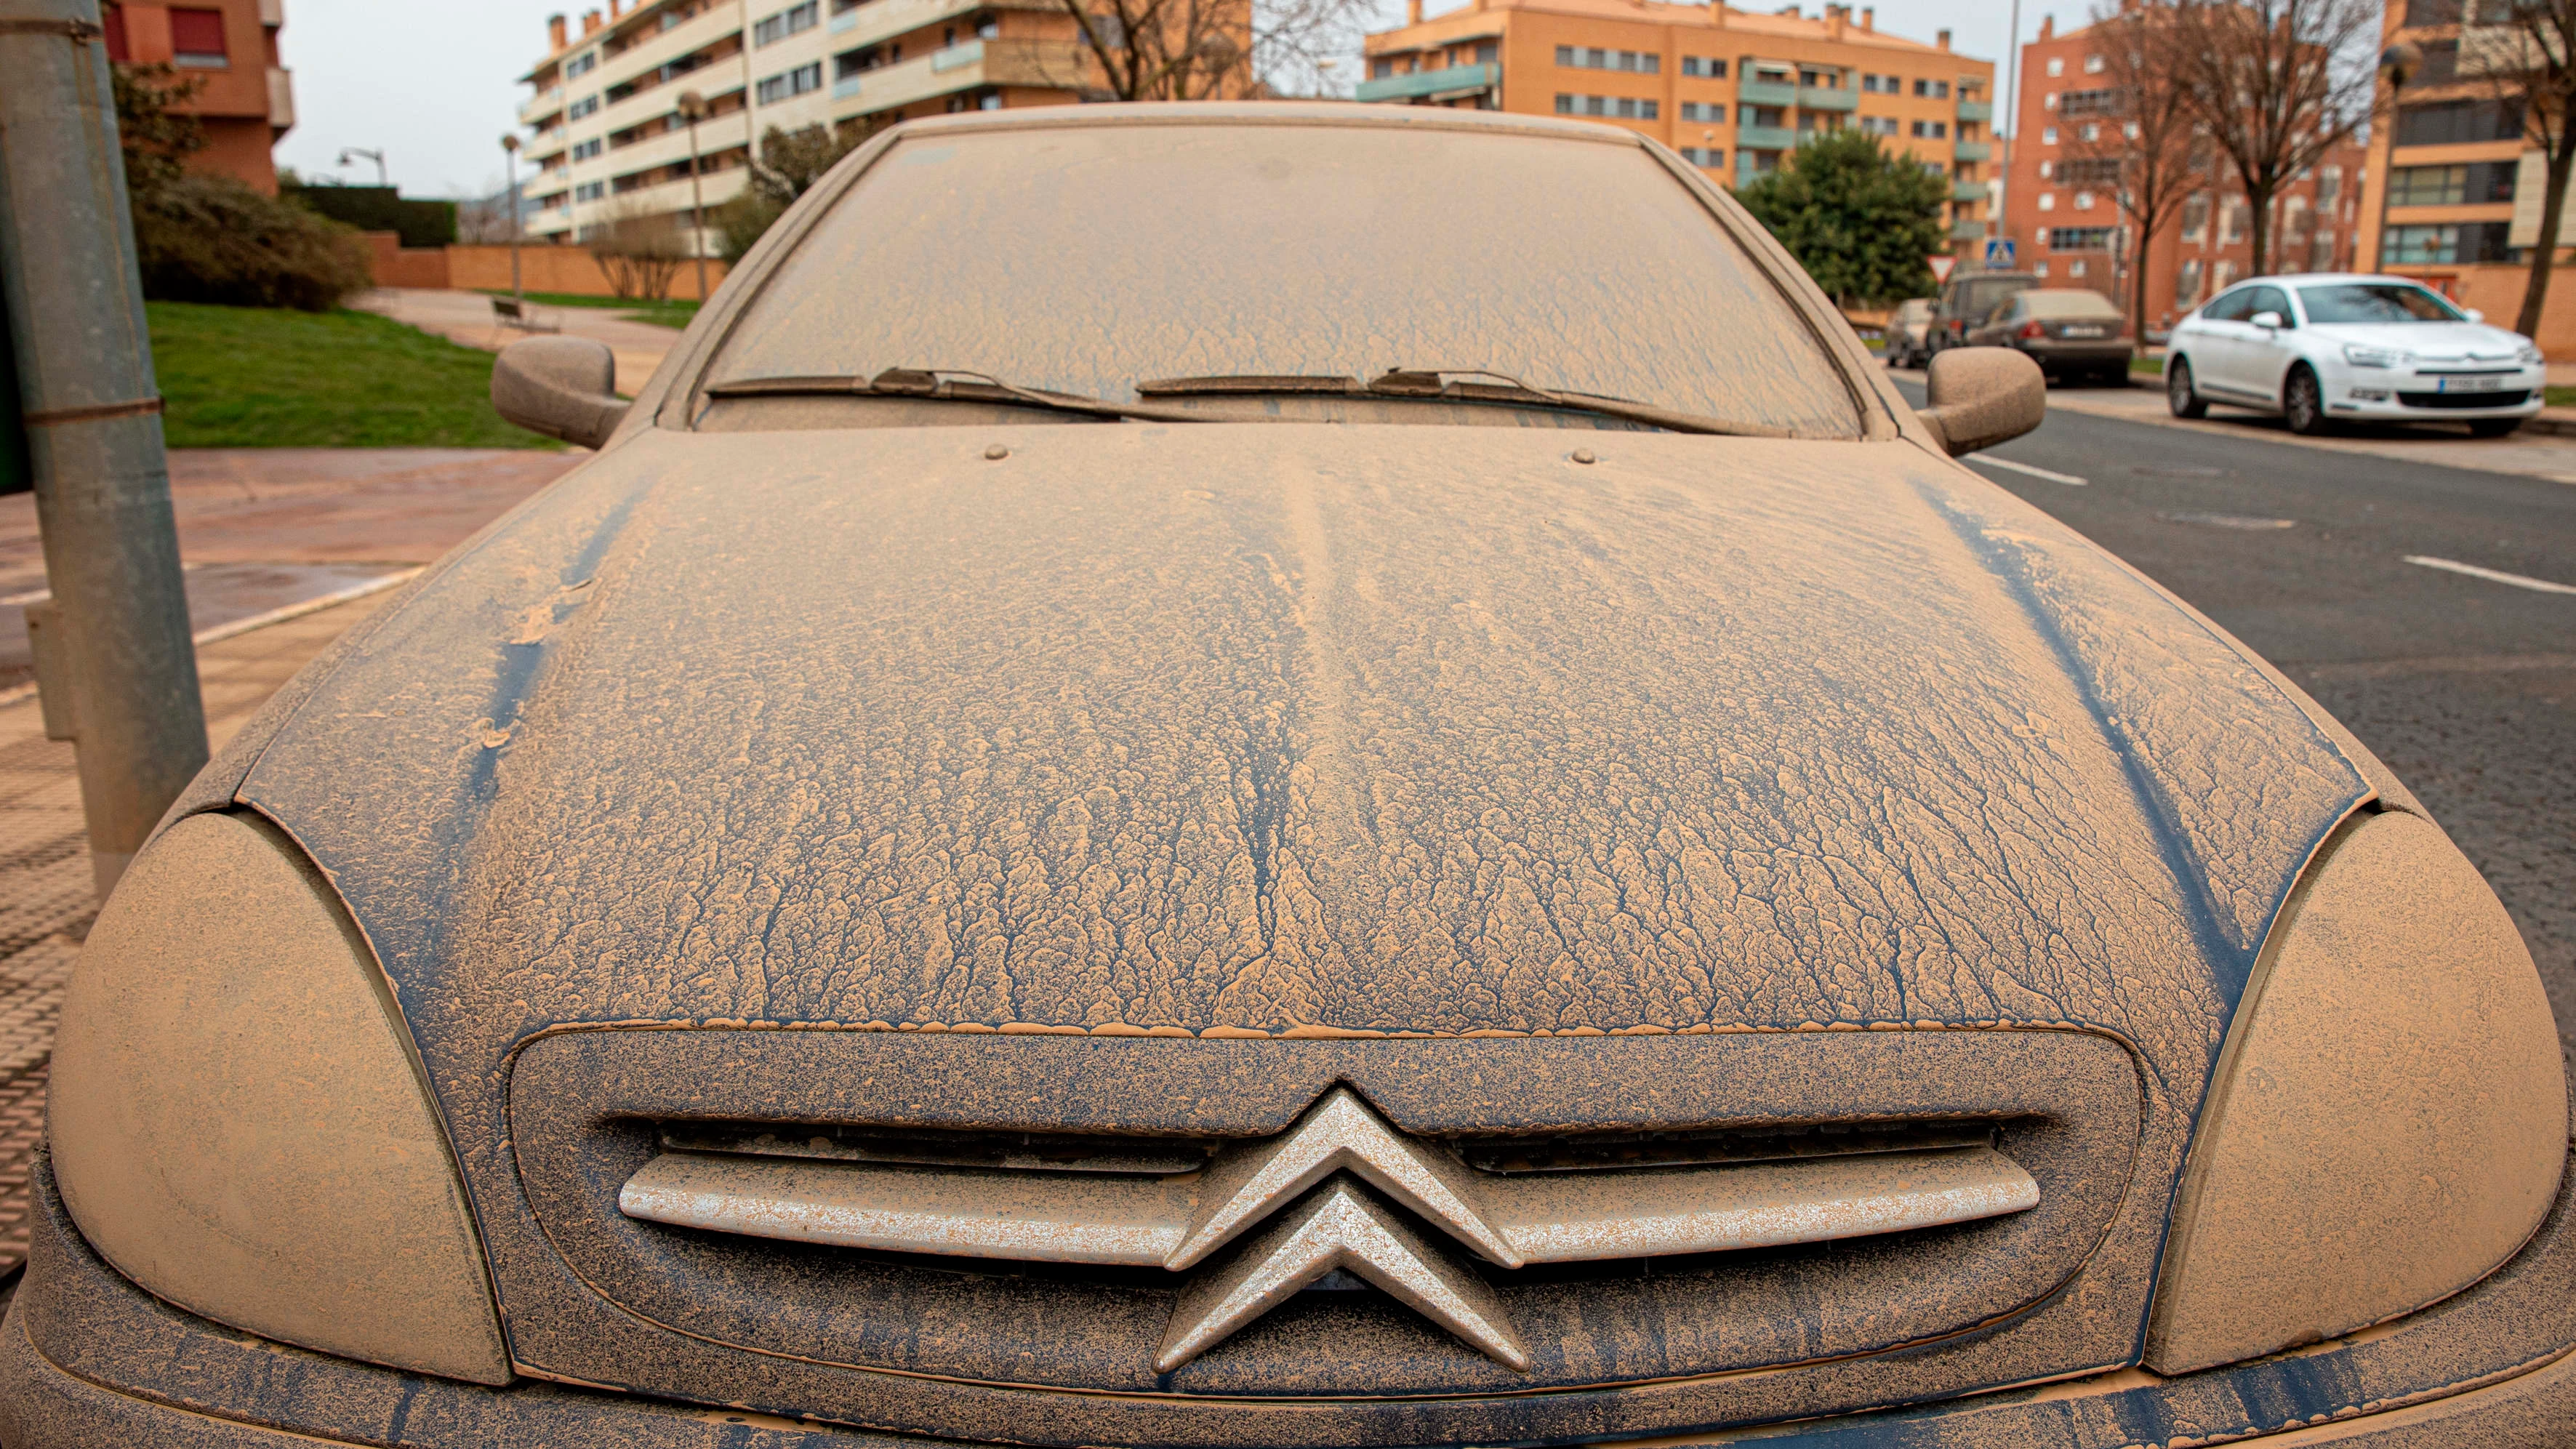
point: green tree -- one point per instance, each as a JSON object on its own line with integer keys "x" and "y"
{"x": 789, "y": 164}
{"x": 1858, "y": 219}
{"x": 157, "y": 138}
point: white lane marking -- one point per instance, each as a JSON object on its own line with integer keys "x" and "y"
{"x": 2492, "y": 576}
{"x": 2069, "y": 479}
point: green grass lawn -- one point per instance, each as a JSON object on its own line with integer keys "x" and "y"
{"x": 256, "y": 377}
{"x": 674, "y": 312}
{"x": 2558, "y": 397}
{"x": 2145, "y": 366}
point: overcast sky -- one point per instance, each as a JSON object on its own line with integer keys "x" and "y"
{"x": 433, "y": 85}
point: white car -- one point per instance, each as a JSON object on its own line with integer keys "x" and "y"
{"x": 2330, "y": 347}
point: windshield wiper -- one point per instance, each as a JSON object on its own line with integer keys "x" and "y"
{"x": 949, "y": 384}
{"x": 1456, "y": 385}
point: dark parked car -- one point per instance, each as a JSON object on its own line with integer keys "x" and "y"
{"x": 2072, "y": 333}
{"x": 1967, "y": 300}
{"x": 1290, "y": 775}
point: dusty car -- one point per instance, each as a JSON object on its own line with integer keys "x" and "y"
{"x": 1909, "y": 332}
{"x": 1967, "y": 300}
{"x": 2071, "y": 332}
{"x": 1290, "y": 775}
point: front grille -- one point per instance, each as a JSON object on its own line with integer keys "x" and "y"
{"x": 2464, "y": 399}
{"x": 1051, "y": 1215}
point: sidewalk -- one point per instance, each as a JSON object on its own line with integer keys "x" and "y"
{"x": 466, "y": 318}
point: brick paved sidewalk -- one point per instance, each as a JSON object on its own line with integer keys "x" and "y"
{"x": 45, "y": 901}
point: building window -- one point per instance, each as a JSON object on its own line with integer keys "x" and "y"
{"x": 2195, "y": 216}
{"x": 1704, "y": 158}
{"x": 1933, "y": 89}
{"x": 2084, "y": 201}
{"x": 581, "y": 64}
{"x": 2039, "y": 268}
{"x": 2048, "y": 201}
{"x": 2075, "y": 268}
{"x": 590, "y": 191}
{"x": 1624, "y": 108}
{"x": 2089, "y": 103}
{"x": 1587, "y": 57}
{"x": 2329, "y": 187}
{"x": 1707, "y": 112}
{"x": 2048, "y": 135}
{"x": 2448, "y": 123}
{"x": 2187, "y": 287}
{"x": 197, "y": 39}
{"x": 1879, "y": 125}
{"x": 2321, "y": 254}
{"x": 2233, "y": 219}
{"x": 2078, "y": 238}
{"x": 1706, "y": 67}
{"x": 2092, "y": 65}
{"x": 787, "y": 22}
{"x": 2467, "y": 242}
{"x": 586, "y": 106}
{"x": 2056, "y": 65}
{"x": 2088, "y": 132}
{"x": 1932, "y": 130}
{"x": 807, "y": 77}
{"x": 2095, "y": 171}
{"x": 586, "y": 149}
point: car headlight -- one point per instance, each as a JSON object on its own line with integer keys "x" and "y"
{"x": 2389, "y": 1118}
{"x": 2530, "y": 356}
{"x": 239, "y": 1125}
{"x": 2360, "y": 356}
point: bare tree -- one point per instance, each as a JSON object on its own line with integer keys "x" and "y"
{"x": 638, "y": 251}
{"x": 2276, "y": 84}
{"x": 2144, "y": 152}
{"x": 1197, "y": 50}
{"x": 485, "y": 220}
{"x": 2525, "y": 51}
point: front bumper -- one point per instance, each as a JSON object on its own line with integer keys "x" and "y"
{"x": 2400, "y": 394}
{"x": 87, "y": 1359}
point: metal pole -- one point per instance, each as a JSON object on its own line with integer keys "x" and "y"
{"x": 2012, "y": 120}
{"x": 510, "y": 151}
{"x": 76, "y": 322}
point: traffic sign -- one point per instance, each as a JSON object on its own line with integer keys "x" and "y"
{"x": 1941, "y": 266}
{"x": 1999, "y": 253}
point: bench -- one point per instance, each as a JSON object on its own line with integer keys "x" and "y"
{"x": 509, "y": 313}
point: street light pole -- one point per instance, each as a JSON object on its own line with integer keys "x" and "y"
{"x": 693, "y": 108}
{"x": 122, "y": 670}
{"x": 376, "y": 156}
{"x": 510, "y": 154}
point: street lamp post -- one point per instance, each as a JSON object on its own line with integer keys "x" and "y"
{"x": 510, "y": 154}
{"x": 693, "y": 108}
{"x": 376, "y": 156}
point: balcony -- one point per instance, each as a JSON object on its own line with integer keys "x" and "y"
{"x": 1766, "y": 93}
{"x": 1765, "y": 138}
{"x": 1828, "y": 98}
{"x": 1455, "y": 80}
{"x": 281, "y": 100}
{"x": 541, "y": 105}
{"x": 1967, "y": 191}
{"x": 1976, "y": 110}
{"x": 1048, "y": 64}
{"x": 1967, "y": 230}
{"x": 883, "y": 20}
{"x": 1974, "y": 151}
{"x": 652, "y": 52}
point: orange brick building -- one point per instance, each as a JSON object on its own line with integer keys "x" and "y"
{"x": 246, "y": 101}
{"x": 2062, "y": 212}
{"x": 1731, "y": 90}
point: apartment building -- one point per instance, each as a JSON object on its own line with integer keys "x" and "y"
{"x": 1732, "y": 91}
{"x": 2462, "y": 209}
{"x": 245, "y": 99}
{"x": 2063, "y": 210}
{"x": 607, "y": 139}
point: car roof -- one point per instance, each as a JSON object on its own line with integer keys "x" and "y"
{"x": 1266, "y": 113}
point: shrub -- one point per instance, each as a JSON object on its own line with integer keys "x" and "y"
{"x": 214, "y": 239}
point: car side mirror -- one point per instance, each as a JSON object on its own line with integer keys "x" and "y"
{"x": 2268, "y": 321}
{"x": 563, "y": 387}
{"x": 2477, "y": 316}
{"x": 1976, "y": 397}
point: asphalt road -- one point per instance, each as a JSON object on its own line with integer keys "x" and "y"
{"x": 2465, "y": 686}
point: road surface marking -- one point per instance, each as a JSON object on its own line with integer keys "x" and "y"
{"x": 2491, "y": 575}
{"x": 2068, "y": 479}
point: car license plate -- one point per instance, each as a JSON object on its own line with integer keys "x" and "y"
{"x": 2081, "y": 332}
{"x": 2468, "y": 384}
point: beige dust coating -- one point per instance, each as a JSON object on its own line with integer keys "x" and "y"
{"x": 2393, "y": 1123}
{"x": 236, "y": 1125}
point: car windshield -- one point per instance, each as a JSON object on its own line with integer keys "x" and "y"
{"x": 2376, "y": 302}
{"x": 2068, "y": 304}
{"x": 1084, "y": 259}
{"x": 1984, "y": 297}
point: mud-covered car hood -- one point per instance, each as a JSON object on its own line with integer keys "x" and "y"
{"x": 1289, "y": 729}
